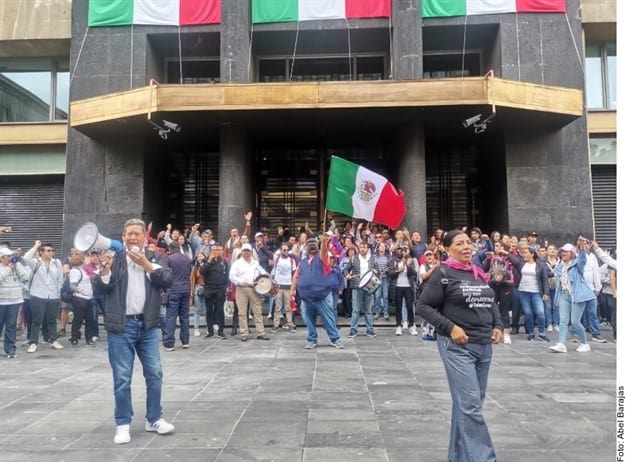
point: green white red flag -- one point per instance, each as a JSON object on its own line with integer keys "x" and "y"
{"x": 361, "y": 193}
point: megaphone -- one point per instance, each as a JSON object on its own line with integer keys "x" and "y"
{"x": 88, "y": 238}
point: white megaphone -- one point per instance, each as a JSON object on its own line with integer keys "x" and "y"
{"x": 88, "y": 238}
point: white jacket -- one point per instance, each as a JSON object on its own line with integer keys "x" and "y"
{"x": 11, "y": 280}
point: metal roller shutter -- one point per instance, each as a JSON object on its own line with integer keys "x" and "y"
{"x": 33, "y": 207}
{"x": 604, "y": 181}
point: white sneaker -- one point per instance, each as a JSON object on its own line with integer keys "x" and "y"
{"x": 160, "y": 426}
{"x": 413, "y": 331}
{"x": 398, "y": 331}
{"x": 32, "y": 348}
{"x": 583, "y": 348}
{"x": 550, "y": 328}
{"x": 557, "y": 329}
{"x": 507, "y": 340}
{"x": 123, "y": 435}
{"x": 559, "y": 348}
{"x": 405, "y": 325}
{"x": 94, "y": 338}
{"x": 56, "y": 345}
{"x": 197, "y": 333}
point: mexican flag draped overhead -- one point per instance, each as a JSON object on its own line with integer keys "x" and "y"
{"x": 444, "y": 8}
{"x": 153, "y": 12}
{"x": 360, "y": 193}
{"x": 308, "y": 10}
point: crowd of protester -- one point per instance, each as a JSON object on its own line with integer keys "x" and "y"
{"x": 532, "y": 279}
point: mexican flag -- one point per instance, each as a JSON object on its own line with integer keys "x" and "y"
{"x": 307, "y": 10}
{"x": 360, "y": 193}
{"x": 444, "y": 8}
{"x": 153, "y": 12}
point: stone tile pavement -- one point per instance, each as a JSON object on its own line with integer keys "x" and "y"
{"x": 383, "y": 399}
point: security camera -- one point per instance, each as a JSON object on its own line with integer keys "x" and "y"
{"x": 172, "y": 126}
{"x": 163, "y": 134}
{"x": 471, "y": 120}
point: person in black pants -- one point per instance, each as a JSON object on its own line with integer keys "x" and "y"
{"x": 215, "y": 272}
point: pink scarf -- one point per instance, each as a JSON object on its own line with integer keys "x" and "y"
{"x": 477, "y": 271}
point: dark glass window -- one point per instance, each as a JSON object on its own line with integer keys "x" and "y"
{"x": 440, "y": 66}
{"x": 320, "y": 69}
{"x": 194, "y": 71}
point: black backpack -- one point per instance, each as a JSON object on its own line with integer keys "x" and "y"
{"x": 67, "y": 291}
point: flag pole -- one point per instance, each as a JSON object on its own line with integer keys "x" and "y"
{"x": 325, "y": 221}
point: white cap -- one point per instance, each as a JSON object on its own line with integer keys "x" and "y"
{"x": 258, "y": 234}
{"x": 247, "y": 246}
{"x": 5, "y": 252}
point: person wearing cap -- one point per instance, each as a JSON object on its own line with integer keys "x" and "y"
{"x": 572, "y": 293}
{"x": 265, "y": 258}
{"x": 13, "y": 274}
{"x": 476, "y": 240}
{"x": 533, "y": 245}
{"x": 313, "y": 280}
{"x": 243, "y": 273}
{"x": 355, "y": 269}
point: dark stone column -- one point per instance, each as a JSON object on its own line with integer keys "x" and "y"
{"x": 549, "y": 183}
{"x": 407, "y": 40}
{"x": 410, "y": 140}
{"x": 237, "y": 184}
{"x": 103, "y": 184}
{"x": 235, "y": 41}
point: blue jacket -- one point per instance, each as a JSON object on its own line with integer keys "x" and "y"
{"x": 580, "y": 291}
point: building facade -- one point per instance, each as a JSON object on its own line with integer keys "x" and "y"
{"x": 261, "y": 107}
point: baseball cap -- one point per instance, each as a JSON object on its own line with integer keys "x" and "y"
{"x": 533, "y": 233}
{"x": 247, "y": 246}
{"x": 569, "y": 248}
{"x": 5, "y": 252}
{"x": 258, "y": 234}
{"x": 428, "y": 252}
{"x": 311, "y": 241}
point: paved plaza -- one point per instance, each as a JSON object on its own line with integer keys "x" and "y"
{"x": 383, "y": 399}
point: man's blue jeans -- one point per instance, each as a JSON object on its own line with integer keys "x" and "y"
{"x": 98, "y": 306}
{"x": 324, "y": 309}
{"x": 8, "y": 322}
{"x": 361, "y": 298}
{"x": 532, "y": 305}
{"x": 122, "y": 349}
{"x": 590, "y": 319}
{"x": 178, "y": 306}
{"x": 381, "y": 297}
{"x": 467, "y": 367}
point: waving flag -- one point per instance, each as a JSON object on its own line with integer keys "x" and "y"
{"x": 444, "y": 8}
{"x": 264, "y": 11}
{"x": 361, "y": 193}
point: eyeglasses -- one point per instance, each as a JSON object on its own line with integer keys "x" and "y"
{"x": 284, "y": 250}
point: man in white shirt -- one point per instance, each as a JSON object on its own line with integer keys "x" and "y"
{"x": 243, "y": 274}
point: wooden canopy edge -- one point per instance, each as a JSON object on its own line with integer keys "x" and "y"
{"x": 327, "y": 95}
{"x": 28, "y": 134}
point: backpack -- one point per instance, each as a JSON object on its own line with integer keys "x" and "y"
{"x": 499, "y": 267}
{"x": 67, "y": 291}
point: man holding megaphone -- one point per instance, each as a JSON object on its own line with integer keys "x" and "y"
{"x": 132, "y": 283}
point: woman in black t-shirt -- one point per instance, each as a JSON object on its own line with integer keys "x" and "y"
{"x": 462, "y": 308}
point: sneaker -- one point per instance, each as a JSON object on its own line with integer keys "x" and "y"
{"x": 168, "y": 348}
{"x": 197, "y": 333}
{"x": 413, "y": 331}
{"x": 221, "y": 335}
{"x": 352, "y": 334}
{"x": 405, "y": 325}
{"x": 543, "y": 338}
{"x": 244, "y": 338}
{"x": 123, "y": 434}
{"x": 61, "y": 333}
{"x": 90, "y": 343}
{"x": 310, "y": 345}
{"x": 263, "y": 337}
{"x": 386, "y": 316}
{"x": 507, "y": 340}
{"x": 530, "y": 337}
{"x": 557, "y": 329}
{"x": 398, "y": 330}
{"x": 371, "y": 334}
{"x": 95, "y": 338}
{"x": 32, "y": 348}
{"x": 13, "y": 355}
{"x": 428, "y": 338}
{"x": 558, "y": 348}
{"x": 598, "y": 338}
{"x": 338, "y": 344}
{"x": 160, "y": 426}
{"x": 583, "y": 348}
{"x": 550, "y": 328}
{"x": 74, "y": 343}
{"x": 56, "y": 345}
{"x": 376, "y": 316}
{"x": 185, "y": 346}
{"x": 210, "y": 334}
{"x": 293, "y": 329}
{"x": 275, "y": 330}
